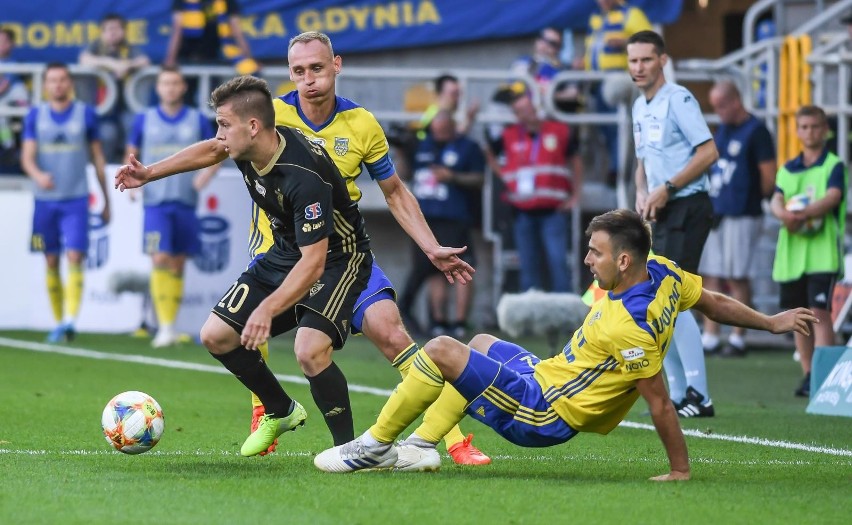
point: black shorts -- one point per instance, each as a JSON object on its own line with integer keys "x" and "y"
{"x": 681, "y": 229}
{"x": 327, "y": 307}
{"x": 812, "y": 290}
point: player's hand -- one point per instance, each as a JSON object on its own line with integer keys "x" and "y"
{"x": 132, "y": 175}
{"x": 45, "y": 181}
{"x": 447, "y": 260}
{"x": 441, "y": 173}
{"x": 793, "y": 220}
{"x": 655, "y": 202}
{"x": 674, "y": 475}
{"x": 257, "y": 328}
{"x": 106, "y": 215}
{"x": 796, "y": 320}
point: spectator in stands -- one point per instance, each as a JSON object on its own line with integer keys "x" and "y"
{"x": 171, "y": 226}
{"x": 742, "y": 177}
{"x": 60, "y": 139}
{"x": 448, "y": 173}
{"x": 13, "y": 93}
{"x": 809, "y": 253}
{"x": 674, "y": 151}
{"x": 448, "y": 95}
{"x": 113, "y": 53}
{"x": 544, "y": 176}
{"x": 605, "y": 50}
{"x": 207, "y": 31}
{"x": 544, "y": 64}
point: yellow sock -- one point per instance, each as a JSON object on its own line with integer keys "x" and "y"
{"x": 73, "y": 291}
{"x": 449, "y": 406}
{"x": 264, "y": 351}
{"x": 441, "y": 419}
{"x": 160, "y": 278}
{"x": 54, "y": 292}
{"x": 173, "y": 295}
{"x": 403, "y": 361}
{"x": 420, "y": 388}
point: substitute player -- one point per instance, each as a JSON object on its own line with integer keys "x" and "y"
{"x": 310, "y": 278}
{"x": 613, "y": 358}
{"x": 60, "y": 139}
{"x": 171, "y": 227}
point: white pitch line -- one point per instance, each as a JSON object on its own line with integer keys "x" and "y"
{"x": 184, "y": 365}
{"x": 503, "y": 457}
{"x": 157, "y": 361}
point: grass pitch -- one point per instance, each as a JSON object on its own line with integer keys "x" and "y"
{"x": 761, "y": 460}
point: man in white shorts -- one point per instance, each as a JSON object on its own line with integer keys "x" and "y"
{"x": 741, "y": 178}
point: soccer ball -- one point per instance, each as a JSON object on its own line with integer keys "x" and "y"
{"x": 133, "y": 422}
{"x": 798, "y": 203}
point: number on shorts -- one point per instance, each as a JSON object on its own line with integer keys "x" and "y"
{"x": 235, "y": 297}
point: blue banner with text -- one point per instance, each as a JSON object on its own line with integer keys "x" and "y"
{"x": 58, "y": 33}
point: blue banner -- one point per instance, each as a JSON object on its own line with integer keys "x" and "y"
{"x": 61, "y": 31}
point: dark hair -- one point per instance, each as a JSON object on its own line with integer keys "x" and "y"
{"x": 250, "y": 97}
{"x": 442, "y": 80}
{"x": 812, "y": 111}
{"x": 110, "y": 17}
{"x": 55, "y": 65}
{"x": 648, "y": 37}
{"x": 9, "y": 32}
{"x": 627, "y": 231}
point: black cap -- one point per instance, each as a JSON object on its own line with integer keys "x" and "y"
{"x": 508, "y": 93}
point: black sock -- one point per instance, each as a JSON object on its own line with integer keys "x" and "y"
{"x": 331, "y": 394}
{"x": 250, "y": 368}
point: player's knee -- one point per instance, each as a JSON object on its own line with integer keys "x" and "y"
{"x": 482, "y": 342}
{"x": 439, "y": 348}
{"x": 312, "y": 360}
{"x": 215, "y": 340}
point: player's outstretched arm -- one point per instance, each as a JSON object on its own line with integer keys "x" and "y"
{"x": 195, "y": 157}
{"x": 653, "y": 389}
{"x": 406, "y": 210}
{"x": 726, "y": 310}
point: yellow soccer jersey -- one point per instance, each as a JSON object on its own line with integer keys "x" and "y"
{"x": 352, "y": 136}
{"x": 592, "y": 383}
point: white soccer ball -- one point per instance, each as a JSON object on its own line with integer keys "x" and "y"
{"x": 133, "y": 422}
{"x": 798, "y": 203}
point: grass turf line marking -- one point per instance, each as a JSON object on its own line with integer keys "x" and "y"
{"x": 749, "y": 440}
{"x": 501, "y": 457}
{"x": 156, "y": 361}
{"x": 184, "y": 365}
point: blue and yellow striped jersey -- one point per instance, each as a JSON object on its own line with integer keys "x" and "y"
{"x": 352, "y": 136}
{"x": 592, "y": 383}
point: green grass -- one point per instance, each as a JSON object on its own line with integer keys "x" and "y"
{"x": 56, "y": 466}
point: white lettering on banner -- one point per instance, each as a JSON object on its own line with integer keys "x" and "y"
{"x": 101, "y": 309}
{"x": 840, "y": 376}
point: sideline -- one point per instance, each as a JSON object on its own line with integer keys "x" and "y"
{"x": 184, "y": 365}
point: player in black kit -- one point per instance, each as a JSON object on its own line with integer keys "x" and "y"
{"x": 309, "y": 279}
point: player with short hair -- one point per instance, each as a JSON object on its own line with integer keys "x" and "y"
{"x": 352, "y": 137}
{"x": 612, "y": 359}
{"x": 312, "y": 275}
{"x": 60, "y": 139}
{"x": 171, "y": 227}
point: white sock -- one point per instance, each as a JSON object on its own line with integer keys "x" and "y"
{"x": 709, "y": 341}
{"x": 370, "y": 442}
{"x": 737, "y": 341}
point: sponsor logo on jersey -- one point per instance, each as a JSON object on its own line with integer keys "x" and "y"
{"x": 341, "y": 146}
{"x": 313, "y": 211}
{"x": 315, "y": 289}
{"x": 480, "y": 411}
{"x": 632, "y": 354}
